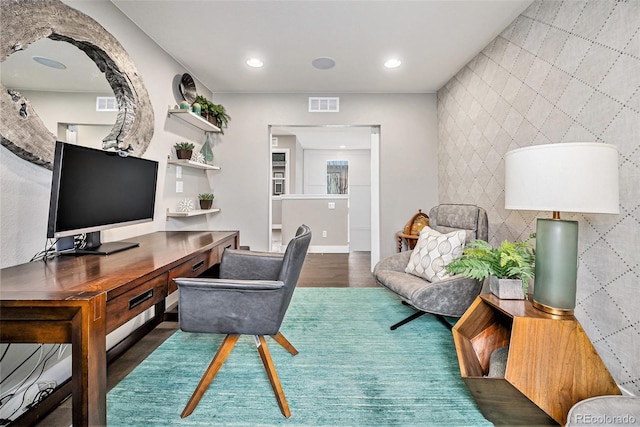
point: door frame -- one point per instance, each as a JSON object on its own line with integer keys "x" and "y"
{"x": 375, "y": 182}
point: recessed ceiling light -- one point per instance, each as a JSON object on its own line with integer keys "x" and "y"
{"x": 343, "y": 146}
{"x": 254, "y": 62}
{"x": 393, "y": 63}
{"x": 323, "y": 63}
{"x": 49, "y": 62}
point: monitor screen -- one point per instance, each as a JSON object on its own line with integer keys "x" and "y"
{"x": 95, "y": 190}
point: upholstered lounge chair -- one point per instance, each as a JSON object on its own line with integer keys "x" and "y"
{"x": 251, "y": 297}
{"x": 449, "y": 297}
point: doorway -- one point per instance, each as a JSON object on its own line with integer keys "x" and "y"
{"x": 310, "y": 149}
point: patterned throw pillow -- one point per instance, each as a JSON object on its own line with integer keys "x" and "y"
{"x": 433, "y": 252}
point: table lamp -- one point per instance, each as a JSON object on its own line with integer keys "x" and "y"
{"x": 569, "y": 177}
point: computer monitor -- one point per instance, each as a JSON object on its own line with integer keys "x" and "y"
{"x": 94, "y": 190}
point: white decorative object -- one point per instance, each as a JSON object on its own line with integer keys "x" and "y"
{"x": 197, "y": 157}
{"x": 186, "y": 205}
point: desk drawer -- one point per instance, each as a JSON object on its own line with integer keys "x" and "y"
{"x": 133, "y": 302}
{"x": 229, "y": 243}
{"x": 193, "y": 267}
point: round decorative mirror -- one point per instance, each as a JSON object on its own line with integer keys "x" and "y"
{"x": 21, "y": 130}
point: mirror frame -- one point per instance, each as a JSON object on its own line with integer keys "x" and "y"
{"x": 21, "y": 130}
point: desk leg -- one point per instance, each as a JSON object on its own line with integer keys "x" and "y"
{"x": 89, "y": 363}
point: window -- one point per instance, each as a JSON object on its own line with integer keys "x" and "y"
{"x": 337, "y": 177}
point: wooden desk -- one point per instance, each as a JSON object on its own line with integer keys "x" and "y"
{"x": 79, "y": 300}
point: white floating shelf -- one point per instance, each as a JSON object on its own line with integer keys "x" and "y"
{"x": 192, "y": 164}
{"x": 194, "y": 212}
{"x": 193, "y": 119}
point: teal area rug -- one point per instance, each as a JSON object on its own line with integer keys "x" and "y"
{"x": 351, "y": 371}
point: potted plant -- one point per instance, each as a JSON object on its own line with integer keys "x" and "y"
{"x": 205, "y": 108}
{"x": 220, "y": 116}
{"x": 184, "y": 150}
{"x": 509, "y": 267}
{"x": 213, "y": 113}
{"x": 206, "y": 200}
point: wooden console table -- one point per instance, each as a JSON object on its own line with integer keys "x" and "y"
{"x": 79, "y": 300}
{"x": 551, "y": 363}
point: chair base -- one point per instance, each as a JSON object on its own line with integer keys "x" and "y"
{"x": 221, "y": 355}
{"x": 417, "y": 314}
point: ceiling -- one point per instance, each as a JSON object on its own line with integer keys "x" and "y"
{"x": 214, "y": 38}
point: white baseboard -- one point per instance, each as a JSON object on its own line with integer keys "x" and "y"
{"x": 318, "y": 249}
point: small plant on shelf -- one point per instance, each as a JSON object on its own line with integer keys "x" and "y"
{"x": 184, "y": 146}
{"x": 206, "y": 200}
{"x": 220, "y": 116}
{"x": 214, "y": 113}
{"x": 511, "y": 260}
{"x": 184, "y": 150}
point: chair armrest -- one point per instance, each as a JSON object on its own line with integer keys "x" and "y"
{"x": 448, "y": 297}
{"x": 396, "y": 262}
{"x": 250, "y": 265}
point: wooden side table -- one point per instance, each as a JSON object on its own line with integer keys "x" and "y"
{"x": 410, "y": 239}
{"x": 551, "y": 363}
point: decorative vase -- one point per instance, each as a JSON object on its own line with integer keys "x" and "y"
{"x": 184, "y": 105}
{"x": 206, "y": 150}
{"x": 506, "y": 288}
{"x": 195, "y": 107}
{"x": 184, "y": 154}
{"x": 206, "y": 204}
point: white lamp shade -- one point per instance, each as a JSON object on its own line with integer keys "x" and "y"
{"x": 563, "y": 177}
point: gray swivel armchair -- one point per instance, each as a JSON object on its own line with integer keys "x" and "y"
{"x": 251, "y": 297}
{"x": 449, "y": 297}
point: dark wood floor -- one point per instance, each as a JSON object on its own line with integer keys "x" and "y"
{"x": 351, "y": 270}
{"x": 319, "y": 270}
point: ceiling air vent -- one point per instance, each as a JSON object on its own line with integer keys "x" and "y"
{"x": 106, "y": 103}
{"x": 324, "y": 104}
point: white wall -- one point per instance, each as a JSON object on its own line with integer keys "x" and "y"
{"x": 408, "y": 156}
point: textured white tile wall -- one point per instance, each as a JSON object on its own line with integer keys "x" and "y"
{"x": 562, "y": 71}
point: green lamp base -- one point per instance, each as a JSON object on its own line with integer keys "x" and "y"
{"x": 556, "y": 266}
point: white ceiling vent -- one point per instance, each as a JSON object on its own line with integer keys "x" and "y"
{"x": 324, "y": 104}
{"x": 106, "y": 103}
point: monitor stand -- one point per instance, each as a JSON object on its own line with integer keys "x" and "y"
{"x": 95, "y": 247}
